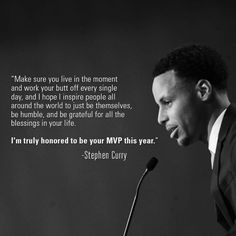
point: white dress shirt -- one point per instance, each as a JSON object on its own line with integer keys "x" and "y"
{"x": 214, "y": 134}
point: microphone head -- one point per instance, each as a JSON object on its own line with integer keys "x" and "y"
{"x": 152, "y": 163}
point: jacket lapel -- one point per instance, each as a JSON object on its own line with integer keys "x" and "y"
{"x": 223, "y": 215}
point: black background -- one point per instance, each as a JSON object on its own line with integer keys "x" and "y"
{"x": 52, "y": 190}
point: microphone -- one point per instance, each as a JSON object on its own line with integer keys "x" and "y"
{"x": 152, "y": 163}
{"x": 149, "y": 167}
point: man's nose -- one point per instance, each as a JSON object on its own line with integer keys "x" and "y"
{"x": 162, "y": 117}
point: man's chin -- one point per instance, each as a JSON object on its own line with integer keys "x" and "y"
{"x": 183, "y": 142}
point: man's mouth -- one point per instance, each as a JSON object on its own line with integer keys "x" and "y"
{"x": 173, "y": 131}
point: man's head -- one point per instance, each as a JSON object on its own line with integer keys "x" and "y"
{"x": 186, "y": 86}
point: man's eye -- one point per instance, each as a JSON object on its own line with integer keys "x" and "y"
{"x": 167, "y": 103}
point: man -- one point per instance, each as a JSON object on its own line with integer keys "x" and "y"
{"x": 190, "y": 89}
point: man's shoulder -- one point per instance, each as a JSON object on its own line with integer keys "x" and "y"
{"x": 228, "y": 129}
{"x": 231, "y": 109}
{"x": 229, "y": 120}
{"x": 228, "y": 136}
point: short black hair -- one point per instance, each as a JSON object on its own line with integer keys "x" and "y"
{"x": 195, "y": 62}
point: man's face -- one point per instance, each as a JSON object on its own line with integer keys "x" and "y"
{"x": 180, "y": 109}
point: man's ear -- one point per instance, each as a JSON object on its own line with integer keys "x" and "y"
{"x": 204, "y": 89}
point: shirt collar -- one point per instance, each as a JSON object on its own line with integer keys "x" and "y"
{"x": 214, "y": 134}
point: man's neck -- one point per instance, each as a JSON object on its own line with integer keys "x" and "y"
{"x": 221, "y": 103}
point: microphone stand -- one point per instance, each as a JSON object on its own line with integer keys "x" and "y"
{"x": 134, "y": 202}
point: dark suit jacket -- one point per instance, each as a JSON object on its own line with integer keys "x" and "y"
{"x": 223, "y": 181}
